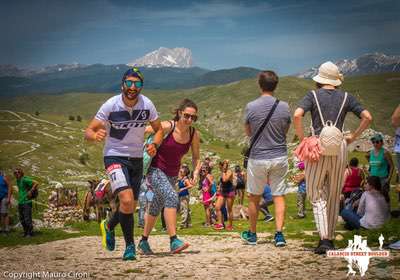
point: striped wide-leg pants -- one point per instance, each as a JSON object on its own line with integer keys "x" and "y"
{"x": 324, "y": 180}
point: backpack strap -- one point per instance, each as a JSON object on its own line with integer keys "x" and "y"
{"x": 319, "y": 108}
{"x": 341, "y": 108}
{"x": 192, "y": 131}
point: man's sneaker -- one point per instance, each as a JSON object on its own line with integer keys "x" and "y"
{"x": 144, "y": 247}
{"x": 130, "y": 253}
{"x": 279, "y": 239}
{"x": 268, "y": 218}
{"x": 249, "y": 237}
{"x": 324, "y": 245}
{"x": 178, "y": 245}
{"x": 108, "y": 236}
{"x": 218, "y": 226}
{"x": 229, "y": 228}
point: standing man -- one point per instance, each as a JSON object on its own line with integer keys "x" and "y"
{"x": 268, "y": 160}
{"x": 325, "y": 177}
{"x": 5, "y": 199}
{"x": 121, "y": 121}
{"x": 26, "y": 188}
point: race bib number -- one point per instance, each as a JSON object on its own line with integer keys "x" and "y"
{"x": 116, "y": 176}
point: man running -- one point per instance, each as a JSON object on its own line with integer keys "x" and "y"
{"x": 121, "y": 121}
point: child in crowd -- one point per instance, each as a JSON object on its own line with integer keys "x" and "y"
{"x": 300, "y": 180}
{"x": 265, "y": 202}
{"x": 206, "y": 188}
{"x": 183, "y": 193}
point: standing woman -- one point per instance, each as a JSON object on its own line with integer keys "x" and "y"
{"x": 239, "y": 179}
{"x": 164, "y": 169}
{"x": 226, "y": 195}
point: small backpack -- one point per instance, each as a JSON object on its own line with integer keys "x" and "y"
{"x": 331, "y": 137}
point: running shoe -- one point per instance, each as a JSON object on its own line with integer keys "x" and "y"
{"x": 130, "y": 253}
{"x": 144, "y": 247}
{"x": 178, "y": 246}
{"x": 229, "y": 228}
{"x": 268, "y": 218}
{"x": 108, "y": 236}
{"x": 218, "y": 226}
{"x": 249, "y": 237}
{"x": 279, "y": 239}
{"x": 324, "y": 245}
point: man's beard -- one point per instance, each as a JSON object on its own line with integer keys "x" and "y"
{"x": 131, "y": 94}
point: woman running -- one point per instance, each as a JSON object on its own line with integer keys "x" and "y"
{"x": 164, "y": 169}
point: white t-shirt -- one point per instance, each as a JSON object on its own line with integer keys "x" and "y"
{"x": 125, "y": 126}
{"x": 374, "y": 210}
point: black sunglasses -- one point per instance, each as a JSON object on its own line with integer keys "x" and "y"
{"x": 189, "y": 116}
{"x": 377, "y": 141}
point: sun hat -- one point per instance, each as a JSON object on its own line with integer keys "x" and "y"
{"x": 328, "y": 74}
{"x": 377, "y": 137}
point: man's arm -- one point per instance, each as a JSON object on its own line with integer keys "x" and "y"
{"x": 247, "y": 129}
{"x": 298, "y": 123}
{"x": 366, "y": 119}
{"x": 158, "y": 137}
{"x": 95, "y": 131}
{"x": 396, "y": 117}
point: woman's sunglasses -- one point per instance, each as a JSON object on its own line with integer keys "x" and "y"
{"x": 129, "y": 83}
{"x": 189, "y": 116}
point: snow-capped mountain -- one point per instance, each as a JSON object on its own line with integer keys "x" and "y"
{"x": 365, "y": 64}
{"x": 164, "y": 57}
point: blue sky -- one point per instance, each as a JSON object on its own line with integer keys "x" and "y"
{"x": 287, "y": 36}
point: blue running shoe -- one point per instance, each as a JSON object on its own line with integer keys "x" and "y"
{"x": 249, "y": 237}
{"x": 178, "y": 246}
{"x": 144, "y": 247}
{"x": 108, "y": 236}
{"x": 130, "y": 253}
{"x": 279, "y": 239}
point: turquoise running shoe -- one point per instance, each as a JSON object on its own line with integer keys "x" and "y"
{"x": 108, "y": 236}
{"x": 249, "y": 237}
{"x": 130, "y": 253}
{"x": 279, "y": 239}
{"x": 178, "y": 246}
{"x": 144, "y": 247}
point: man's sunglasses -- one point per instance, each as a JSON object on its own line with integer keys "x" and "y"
{"x": 377, "y": 141}
{"x": 129, "y": 83}
{"x": 189, "y": 116}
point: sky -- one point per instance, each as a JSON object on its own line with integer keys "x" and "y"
{"x": 286, "y": 36}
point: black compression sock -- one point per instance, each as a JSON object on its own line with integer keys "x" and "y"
{"x": 126, "y": 221}
{"x": 144, "y": 238}
{"x": 172, "y": 238}
{"x": 113, "y": 222}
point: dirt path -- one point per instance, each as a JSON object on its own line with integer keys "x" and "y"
{"x": 209, "y": 257}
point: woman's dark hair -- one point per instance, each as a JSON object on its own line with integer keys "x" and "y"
{"x": 354, "y": 162}
{"x": 375, "y": 182}
{"x": 318, "y": 85}
{"x": 268, "y": 80}
{"x": 237, "y": 168}
{"x": 186, "y": 170}
{"x": 185, "y": 103}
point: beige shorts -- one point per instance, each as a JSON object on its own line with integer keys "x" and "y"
{"x": 4, "y": 206}
{"x": 263, "y": 172}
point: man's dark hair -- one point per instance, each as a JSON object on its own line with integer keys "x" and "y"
{"x": 268, "y": 80}
{"x": 354, "y": 162}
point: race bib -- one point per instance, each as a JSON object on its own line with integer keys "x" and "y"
{"x": 116, "y": 176}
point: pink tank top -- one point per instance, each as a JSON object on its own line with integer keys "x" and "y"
{"x": 170, "y": 153}
{"x": 206, "y": 189}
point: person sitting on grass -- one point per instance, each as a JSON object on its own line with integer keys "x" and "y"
{"x": 373, "y": 208}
